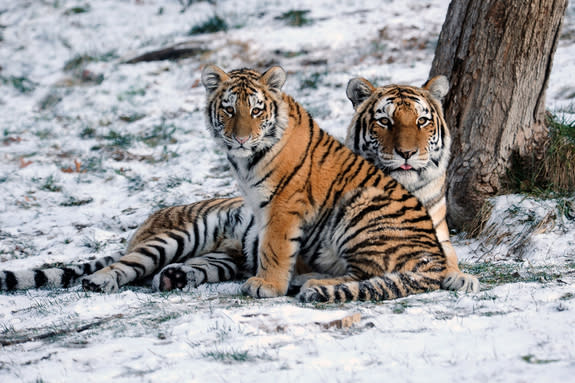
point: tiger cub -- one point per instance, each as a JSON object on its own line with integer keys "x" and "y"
{"x": 313, "y": 197}
{"x": 401, "y": 130}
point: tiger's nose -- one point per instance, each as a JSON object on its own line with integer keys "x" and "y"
{"x": 406, "y": 154}
{"x": 242, "y": 140}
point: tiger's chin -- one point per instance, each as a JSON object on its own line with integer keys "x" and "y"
{"x": 241, "y": 152}
{"x": 406, "y": 177}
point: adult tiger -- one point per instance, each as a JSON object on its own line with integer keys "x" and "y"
{"x": 401, "y": 130}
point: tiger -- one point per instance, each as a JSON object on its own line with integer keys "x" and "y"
{"x": 401, "y": 130}
{"x": 164, "y": 238}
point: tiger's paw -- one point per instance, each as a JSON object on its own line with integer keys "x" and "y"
{"x": 176, "y": 276}
{"x": 100, "y": 282}
{"x": 458, "y": 281}
{"x": 260, "y": 288}
{"x": 310, "y": 283}
{"x": 312, "y": 294}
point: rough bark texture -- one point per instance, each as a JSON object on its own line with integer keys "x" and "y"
{"x": 497, "y": 56}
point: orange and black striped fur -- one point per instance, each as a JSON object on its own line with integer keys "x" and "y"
{"x": 313, "y": 197}
{"x": 401, "y": 130}
{"x": 191, "y": 244}
{"x": 217, "y": 240}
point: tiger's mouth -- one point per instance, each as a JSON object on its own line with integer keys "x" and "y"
{"x": 405, "y": 167}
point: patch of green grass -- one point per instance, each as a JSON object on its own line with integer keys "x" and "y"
{"x": 49, "y": 100}
{"x": 6, "y": 328}
{"x": 173, "y": 182}
{"x": 187, "y": 3}
{"x": 296, "y": 18}
{"x": 400, "y": 307}
{"x": 80, "y": 61}
{"x": 312, "y": 81}
{"x": 166, "y": 317}
{"x": 161, "y": 133}
{"x": 119, "y": 139}
{"x": 229, "y": 357}
{"x": 131, "y": 93}
{"x": 20, "y": 83}
{"x": 93, "y": 245}
{"x": 492, "y": 313}
{"x": 93, "y": 164}
{"x": 531, "y": 359}
{"x": 88, "y": 132}
{"x": 494, "y": 274}
{"x": 48, "y": 184}
{"x": 552, "y": 176}
{"x": 212, "y": 25}
{"x": 77, "y": 62}
{"x": 78, "y": 9}
{"x": 73, "y": 201}
{"x": 166, "y": 155}
{"x": 136, "y": 183}
{"x": 290, "y": 54}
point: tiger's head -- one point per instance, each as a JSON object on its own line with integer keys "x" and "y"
{"x": 245, "y": 110}
{"x": 401, "y": 129}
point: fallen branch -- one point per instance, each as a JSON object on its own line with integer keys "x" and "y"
{"x": 176, "y": 52}
{"x": 18, "y": 339}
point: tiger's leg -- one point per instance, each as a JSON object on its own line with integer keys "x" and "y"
{"x": 455, "y": 278}
{"x": 409, "y": 273}
{"x": 173, "y": 235}
{"x": 386, "y": 287}
{"x": 388, "y": 245}
{"x": 218, "y": 266}
{"x": 278, "y": 250}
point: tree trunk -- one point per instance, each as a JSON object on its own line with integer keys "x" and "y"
{"x": 497, "y": 55}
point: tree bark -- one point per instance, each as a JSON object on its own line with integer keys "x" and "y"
{"x": 497, "y": 55}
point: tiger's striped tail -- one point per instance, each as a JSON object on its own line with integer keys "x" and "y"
{"x": 53, "y": 277}
{"x": 389, "y": 286}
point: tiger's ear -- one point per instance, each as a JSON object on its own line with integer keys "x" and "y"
{"x": 274, "y": 78}
{"x": 358, "y": 90}
{"x": 212, "y": 77}
{"x": 438, "y": 86}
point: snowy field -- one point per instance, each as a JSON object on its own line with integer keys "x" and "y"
{"x": 92, "y": 144}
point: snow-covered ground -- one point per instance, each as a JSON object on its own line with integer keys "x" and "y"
{"x": 91, "y": 145}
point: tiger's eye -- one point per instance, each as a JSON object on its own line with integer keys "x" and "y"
{"x": 422, "y": 121}
{"x": 256, "y": 111}
{"x": 229, "y": 110}
{"x": 385, "y": 121}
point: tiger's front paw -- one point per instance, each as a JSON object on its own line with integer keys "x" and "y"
{"x": 100, "y": 282}
{"x": 459, "y": 281}
{"x": 260, "y": 288}
{"x": 311, "y": 294}
{"x": 176, "y": 276}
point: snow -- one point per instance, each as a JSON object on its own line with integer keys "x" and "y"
{"x": 90, "y": 150}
